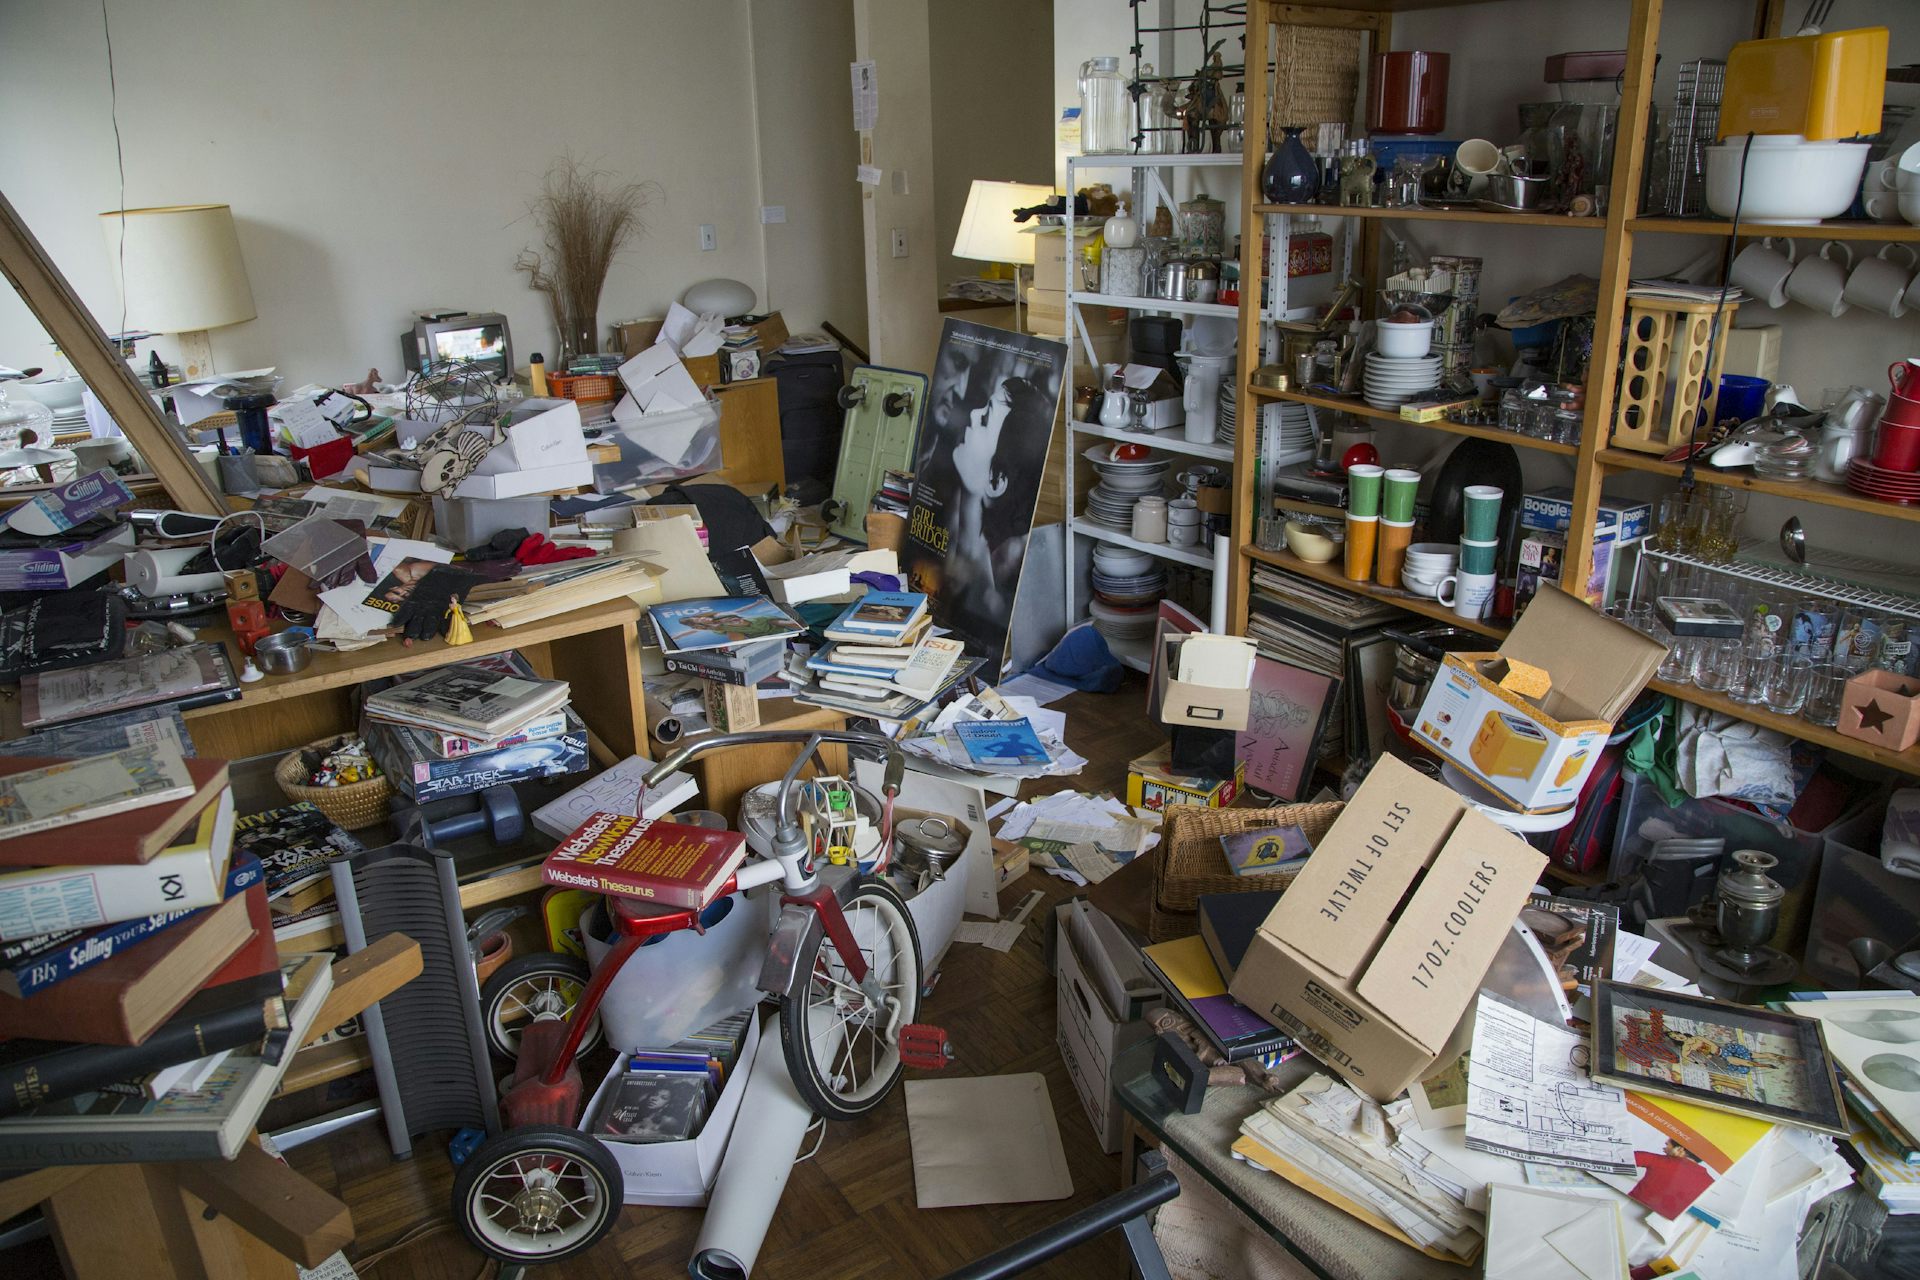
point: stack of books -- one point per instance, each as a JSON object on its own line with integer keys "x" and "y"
{"x": 463, "y": 728}
{"x": 894, "y": 493}
{"x": 730, "y": 643}
{"x": 880, "y": 660}
{"x": 132, "y": 980}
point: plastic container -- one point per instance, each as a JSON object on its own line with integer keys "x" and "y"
{"x": 680, "y": 982}
{"x": 665, "y": 446}
{"x": 1857, "y": 897}
{"x": 1413, "y": 339}
{"x": 468, "y": 522}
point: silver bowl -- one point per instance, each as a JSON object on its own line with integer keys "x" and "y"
{"x": 282, "y": 653}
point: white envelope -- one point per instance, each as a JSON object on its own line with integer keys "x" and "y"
{"x": 1537, "y": 1233}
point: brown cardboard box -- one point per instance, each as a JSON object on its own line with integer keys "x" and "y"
{"x": 1216, "y": 693}
{"x": 1050, "y": 255}
{"x": 1536, "y": 750}
{"x": 1371, "y": 987}
{"x": 634, "y": 336}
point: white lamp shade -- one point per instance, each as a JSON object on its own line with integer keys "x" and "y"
{"x": 181, "y": 269}
{"x": 988, "y": 232}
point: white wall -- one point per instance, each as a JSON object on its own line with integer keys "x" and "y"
{"x": 379, "y": 157}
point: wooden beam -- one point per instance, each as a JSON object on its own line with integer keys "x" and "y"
{"x": 367, "y": 977}
{"x": 17, "y": 1195}
{"x": 1769, "y": 18}
{"x": 80, "y": 338}
{"x": 1246, "y": 444}
{"x": 268, "y": 1200}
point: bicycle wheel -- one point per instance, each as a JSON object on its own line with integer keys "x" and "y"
{"x": 537, "y": 1194}
{"x": 547, "y": 985}
{"x": 839, "y": 1052}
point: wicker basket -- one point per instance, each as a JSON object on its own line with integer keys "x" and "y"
{"x": 353, "y": 806}
{"x": 1316, "y": 78}
{"x": 1191, "y": 863}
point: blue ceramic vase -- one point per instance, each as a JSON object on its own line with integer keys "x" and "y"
{"x": 1291, "y": 177}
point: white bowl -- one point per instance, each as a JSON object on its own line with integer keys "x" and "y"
{"x": 1405, "y": 340}
{"x": 1120, "y": 562}
{"x": 1793, "y": 184}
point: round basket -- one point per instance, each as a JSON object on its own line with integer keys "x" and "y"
{"x": 353, "y": 806}
{"x": 1191, "y": 861}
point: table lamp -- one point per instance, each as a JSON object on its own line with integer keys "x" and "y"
{"x": 988, "y": 232}
{"x": 180, "y": 272}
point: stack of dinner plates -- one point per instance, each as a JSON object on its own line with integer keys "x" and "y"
{"x": 1229, "y": 411}
{"x": 1123, "y": 623}
{"x": 1123, "y": 482}
{"x": 1296, "y": 427}
{"x": 1126, "y": 578}
{"x": 1391, "y": 381}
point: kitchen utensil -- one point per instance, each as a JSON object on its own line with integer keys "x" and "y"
{"x": 283, "y": 653}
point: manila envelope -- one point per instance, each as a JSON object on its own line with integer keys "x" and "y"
{"x": 985, "y": 1140}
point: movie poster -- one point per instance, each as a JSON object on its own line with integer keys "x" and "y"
{"x": 977, "y": 467}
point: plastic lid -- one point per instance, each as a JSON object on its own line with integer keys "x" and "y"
{"x": 1105, "y": 64}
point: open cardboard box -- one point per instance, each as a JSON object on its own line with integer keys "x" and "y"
{"x": 1205, "y": 680}
{"x": 1530, "y": 720}
{"x": 1381, "y": 942}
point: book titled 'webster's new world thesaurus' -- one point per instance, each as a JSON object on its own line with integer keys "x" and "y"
{"x": 664, "y": 862}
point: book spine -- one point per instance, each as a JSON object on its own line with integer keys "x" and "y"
{"x": 80, "y": 951}
{"x": 720, "y": 674}
{"x": 71, "y": 1069}
{"x": 1891, "y": 1134}
{"x": 621, "y": 886}
{"x": 87, "y": 813}
{"x": 83, "y": 897}
{"x": 103, "y": 1143}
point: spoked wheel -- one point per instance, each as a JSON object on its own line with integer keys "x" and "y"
{"x": 537, "y": 1194}
{"x": 547, "y": 985}
{"x": 843, "y": 1052}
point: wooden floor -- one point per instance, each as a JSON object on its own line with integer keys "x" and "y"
{"x": 849, "y": 1211}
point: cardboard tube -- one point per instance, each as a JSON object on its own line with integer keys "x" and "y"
{"x": 760, "y": 1154}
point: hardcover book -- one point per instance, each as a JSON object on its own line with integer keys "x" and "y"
{"x": 663, "y": 862}
{"x": 133, "y": 836}
{"x": 161, "y": 726}
{"x": 718, "y": 622}
{"x": 879, "y": 616}
{"x": 63, "y": 793}
{"x": 193, "y": 675}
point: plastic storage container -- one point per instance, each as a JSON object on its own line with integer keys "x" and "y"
{"x": 680, "y": 982}
{"x": 663, "y": 446}
{"x": 468, "y": 522}
{"x": 1857, "y": 897}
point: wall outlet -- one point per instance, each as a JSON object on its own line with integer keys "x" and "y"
{"x": 708, "y": 241}
{"x": 771, "y": 213}
{"x": 899, "y": 242}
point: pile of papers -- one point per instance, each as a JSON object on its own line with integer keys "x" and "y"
{"x": 1011, "y": 738}
{"x": 1080, "y": 838}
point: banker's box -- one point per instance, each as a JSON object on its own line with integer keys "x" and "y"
{"x": 1090, "y": 1035}
{"x": 1051, "y": 256}
{"x": 678, "y": 1175}
{"x": 1205, "y": 681}
{"x": 1370, "y": 987}
{"x": 1533, "y": 745}
{"x": 1153, "y": 784}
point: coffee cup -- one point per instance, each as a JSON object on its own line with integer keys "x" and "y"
{"x": 1477, "y": 555}
{"x": 1420, "y": 586}
{"x": 1395, "y": 535}
{"x": 1472, "y": 593}
{"x": 1819, "y": 282}
{"x": 1880, "y": 284}
{"x": 1762, "y": 270}
{"x": 1473, "y": 161}
{"x": 1362, "y": 533}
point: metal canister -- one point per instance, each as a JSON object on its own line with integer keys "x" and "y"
{"x": 1203, "y": 227}
{"x": 1171, "y": 283}
{"x": 933, "y": 838}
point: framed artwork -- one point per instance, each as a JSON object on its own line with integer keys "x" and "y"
{"x": 1754, "y": 1062}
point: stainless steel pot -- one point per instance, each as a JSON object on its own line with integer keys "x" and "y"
{"x": 1171, "y": 283}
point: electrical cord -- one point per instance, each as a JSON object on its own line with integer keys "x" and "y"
{"x": 213, "y": 539}
{"x": 1719, "y": 313}
{"x": 120, "y": 159}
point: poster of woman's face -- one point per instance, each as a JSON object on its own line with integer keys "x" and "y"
{"x": 977, "y": 467}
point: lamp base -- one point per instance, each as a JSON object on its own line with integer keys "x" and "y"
{"x": 196, "y": 353}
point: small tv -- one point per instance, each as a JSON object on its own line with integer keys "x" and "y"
{"x": 460, "y": 337}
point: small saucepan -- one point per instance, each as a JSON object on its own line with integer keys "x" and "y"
{"x": 283, "y": 652}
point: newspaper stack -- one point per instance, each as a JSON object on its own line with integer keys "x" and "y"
{"x": 1005, "y": 737}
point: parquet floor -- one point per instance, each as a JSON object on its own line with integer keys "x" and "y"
{"x": 849, "y": 1211}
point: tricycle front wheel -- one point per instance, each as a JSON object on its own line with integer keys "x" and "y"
{"x": 537, "y": 1194}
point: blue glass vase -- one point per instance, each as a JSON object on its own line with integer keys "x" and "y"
{"x": 1292, "y": 176}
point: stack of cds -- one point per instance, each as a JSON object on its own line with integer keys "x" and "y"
{"x": 1122, "y": 484}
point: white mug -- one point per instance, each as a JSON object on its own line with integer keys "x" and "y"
{"x": 1881, "y": 206}
{"x": 1762, "y": 270}
{"x": 1821, "y": 283}
{"x": 1473, "y": 161}
{"x": 1472, "y": 593}
{"x": 1879, "y": 284}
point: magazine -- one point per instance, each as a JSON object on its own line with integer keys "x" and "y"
{"x": 470, "y": 699}
{"x": 715, "y": 622}
{"x": 980, "y": 455}
{"x": 1001, "y": 742}
{"x": 190, "y": 676}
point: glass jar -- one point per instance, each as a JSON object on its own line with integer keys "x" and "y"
{"x": 1105, "y": 109}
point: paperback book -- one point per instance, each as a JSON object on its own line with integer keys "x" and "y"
{"x": 719, "y": 622}
{"x": 1253, "y": 853}
{"x": 1001, "y": 743}
{"x": 65, "y": 792}
{"x": 615, "y": 790}
{"x": 879, "y": 616}
{"x": 158, "y": 727}
{"x": 667, "y": 863}
{"x": 193, "y": 675}
{"x": 469, "y": 698}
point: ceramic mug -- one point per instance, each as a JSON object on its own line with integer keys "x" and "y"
{"x": 1820, "y": 282}
{"x": 1762, "y": 270}
{"x": 1472, "y": 162}
{"x": 1471, "y": 593}
{"x": 1880, "y": 284}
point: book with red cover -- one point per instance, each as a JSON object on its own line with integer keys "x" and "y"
{"x": 136, "y": 836}
{"x": 663, "y": 862}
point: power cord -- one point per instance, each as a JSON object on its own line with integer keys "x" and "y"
{"x": 1719, "y": 313}
{"x": 120, "y": 159}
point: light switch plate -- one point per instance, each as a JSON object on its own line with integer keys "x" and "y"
{"x": 899, "y": 242}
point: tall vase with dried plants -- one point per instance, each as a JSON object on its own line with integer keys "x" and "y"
{"x": 585, "y": 220}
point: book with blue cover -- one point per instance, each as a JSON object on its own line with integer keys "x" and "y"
{"x": 1001, "y": 742}
{"x": 717, "y": 622}
{"x": 879, "y": 616}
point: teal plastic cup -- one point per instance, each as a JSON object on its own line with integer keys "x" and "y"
{"x": 1476, "y": 554}
{"x": 1482, "y": 514}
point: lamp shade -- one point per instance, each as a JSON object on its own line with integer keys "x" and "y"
{"x": 180, "y": 270}
{"x": 988, "y": 232}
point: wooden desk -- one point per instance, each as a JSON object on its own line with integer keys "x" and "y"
{"x": 595, "y": 649}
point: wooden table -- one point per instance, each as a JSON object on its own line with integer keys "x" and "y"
{"x": 595, "y": 649}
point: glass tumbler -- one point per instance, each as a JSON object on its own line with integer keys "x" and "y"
{"x": 1714, "y": 662}
{"x": 1785, "y": 683}
{"x": 1748, "y": 686}
{"x": 1676, "y": 667}
{"x": 1826, "y": 682}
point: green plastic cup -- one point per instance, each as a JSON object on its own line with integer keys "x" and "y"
{"x": 1398, "y": 488}
{"x": 1482, "y": 515}
{"x": 1476, "y": 555}
{"x": 1363, "y": 490}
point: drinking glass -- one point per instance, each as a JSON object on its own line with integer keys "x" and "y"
{"x": 1714, "y": 662}
{"x": 1896, "y": 652}
{"x": 1856, "y": 639}
{"x": 1675, "y": 666}
{"x": 1748, "y": 685}
{"x": 1826, "y": 682}
{"x": 1811, "y": 633}
{"x": 1785, "y": 683}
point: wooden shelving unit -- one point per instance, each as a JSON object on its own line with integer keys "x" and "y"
{"x": 1594, "y": 458}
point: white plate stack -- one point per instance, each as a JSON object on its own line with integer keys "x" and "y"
{"x": 1391, "y": 381}
{"x": 1229, "y": 412}
{"x": 1122, "y": 484}
{"x": 1296, "y": 427}
{"x": 1127, "y": 579}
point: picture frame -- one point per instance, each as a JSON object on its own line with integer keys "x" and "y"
{"x": 1739, "y": 1058}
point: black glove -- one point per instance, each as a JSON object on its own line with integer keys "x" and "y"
{"x": 423, "y": 614}
{"x": 500, "y": 546}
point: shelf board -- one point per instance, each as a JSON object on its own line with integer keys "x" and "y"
{"x": 1085, "y": 528}
{"x": 1331, "y": 574}
{"x": 324, "y": 1063}
{"x": 1171, "y": 441}
{"x": 1794, "y": 727}
{"x": 1894, "y": 232}
{"x": 1227, "y": 159}
{"x": 1814, "y": 491}
{"x": 1076, "y": 297}
{"x": 1360, "y": 408}
{"x": 1561, "y": 220}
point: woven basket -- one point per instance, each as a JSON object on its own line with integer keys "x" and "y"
{"x": 353, "y": 806}
{"x": 1316, "y": 76}
{"x": 1191, "y": 861}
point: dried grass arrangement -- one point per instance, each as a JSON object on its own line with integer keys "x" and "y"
{"x": 585, "y": 221}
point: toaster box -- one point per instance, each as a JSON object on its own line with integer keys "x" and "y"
{"x": 1530, "y": 720}
{"x": 1381, "y": 942}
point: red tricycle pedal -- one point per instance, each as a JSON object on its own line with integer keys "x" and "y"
{"x": 925, "y": 1046}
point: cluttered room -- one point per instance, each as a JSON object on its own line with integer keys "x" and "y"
{"x": 1182, "y": 639}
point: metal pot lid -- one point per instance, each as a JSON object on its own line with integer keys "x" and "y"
{"x": 934, "y": 836}
{"x": 1748, "y": 883}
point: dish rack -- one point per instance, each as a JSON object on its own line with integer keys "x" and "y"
{"x": 1781, "y": 578}
{"x": 1690, "y": 131}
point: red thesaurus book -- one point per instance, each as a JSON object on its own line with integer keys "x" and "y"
{"x": 662, "y": 862}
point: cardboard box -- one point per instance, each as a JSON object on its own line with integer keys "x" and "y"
{"x": 631, "y": 337}
{"x": 1050, "y": 254}
{"x": 679, "y": 1174}
{"x": 1371, "y": 987}
{"x": 1152, "y": 784}
{"x": 1047, "y": 304}
{"x": 1536, "y": 748}
{"x": 1205, "y": 681}
{"x": 54, "y": 564}
{"x": 1090, "y": 1034}
{"x": 1882, "y": 707}
{"x": 1553, "y": 509}
{"x": 1548, "y": 514}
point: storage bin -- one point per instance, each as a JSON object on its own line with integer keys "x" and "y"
{"x": 468, "y": 522}
{"x": 1190, "y": 862}
{"x": 663, "y": 446}
{"x": 679, "y": 982}
{"x": 1857, "y": 897}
